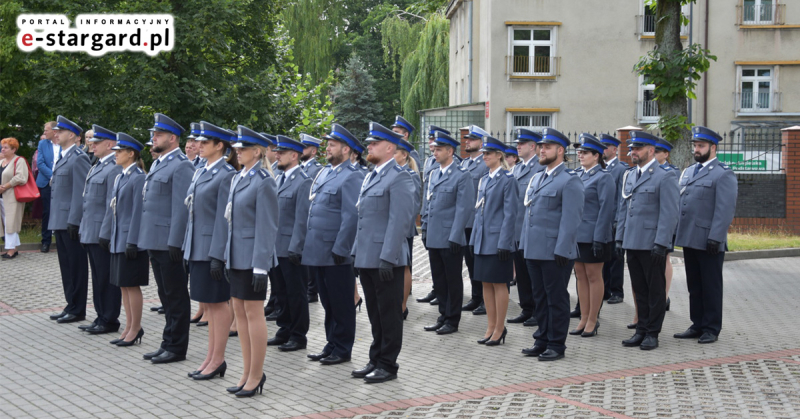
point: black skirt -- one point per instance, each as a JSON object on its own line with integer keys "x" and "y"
{"x": 242, "y": 285}
{"x": 130, "y": 272}
{"x": 489, "y": 268}
{"x": 585, "y": 254}
{"x": 410, "y": 252}
{"x": 205, "y": 289}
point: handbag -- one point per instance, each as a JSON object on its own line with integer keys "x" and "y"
{"x": 28, "y": 191}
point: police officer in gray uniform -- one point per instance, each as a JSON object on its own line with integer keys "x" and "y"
{"x": 332, "y": 220}
{"x": 290, "y": 275}
{"x": 405, "y": 129}
{"x": 162, "y": 231}
{"x": 446, "y": 207}
{"x": 475, "y": 166}
{"x": 648, "y": 214}
{"x": 312, "y": 167}
{"x": 385, "y": 212}
{"x": 553, "y": 210}
{"x": 613, "y": 270}
{"x": 527, "y": 146}
{"x": 66, "y": 211}
{"x": 194, "y": 132}
{"x": 708, "y": 192}
{"x": 97, "y": 193}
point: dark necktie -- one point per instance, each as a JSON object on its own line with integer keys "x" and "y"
{"x": 697, "y": 168}
{"x": 638, "y": 173}
{"x": 371, "y": 176}
{"x": 283, "y": 179}
{"x": 544, "y": 177}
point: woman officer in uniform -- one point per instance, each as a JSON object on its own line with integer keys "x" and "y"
{"x": 252, "y": 214}
{"x": 403, "y": 159}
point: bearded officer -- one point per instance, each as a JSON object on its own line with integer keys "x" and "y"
{"x": 613, "y": 270}
{"x": 477, "y": 169}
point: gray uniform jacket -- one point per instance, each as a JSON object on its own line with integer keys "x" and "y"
{"x": 252, "y": 214}
{"x": 332, "y": 216}
{"x": 707, "y": 205}
{"x": 164, "y": 214}
{"x": 495, "y": 214}
{"x": 553, "y": 208}
{"x": 600, "y": 206}
{"x": 523, "y": 173}
{"x": 124, "y": 212}
{"x": 385, "y": 212}
{"x": 617, "y": 168}
{"x": 412, "y": 231}
{"x": 66, "y": 200}
{"x": 207, "y": 229}
{"x": 430, "y": 165}
{"x": 477, "y": 169}
{"x": 293, "y": 207}
{"x": 97, "y": 192}
{"x": 648, "y": 209}
{"x": 446, "y": 207}
{"x": 312, "y": 168}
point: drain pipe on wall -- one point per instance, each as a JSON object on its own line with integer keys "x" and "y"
{"x": 691, "y": 32}
{"x": 469, "y": 75}
{"x": 705, "y": 76}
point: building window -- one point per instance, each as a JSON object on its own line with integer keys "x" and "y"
{"x": 756, "y": 89}
{"x": 647, "y": 105}
{"x": 533, "y": 51}
{"x": 532, "y": 121}
{"x": 758, "y": 12}
{"x": 648, "y": 20}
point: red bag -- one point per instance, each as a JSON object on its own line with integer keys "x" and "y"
{"x": 29, "y": 191}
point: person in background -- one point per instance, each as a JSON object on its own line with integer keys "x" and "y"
{"x": 403, "y": 158}
{"x": 512, "y": 157}
{"x": 46, "y": 157}
{"x": 14, "y": 173}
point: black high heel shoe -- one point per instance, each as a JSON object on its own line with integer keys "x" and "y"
{"x": 196, "y": 319}
{"x": 115, "y": 341}
{"x": 667, "y": 306}
{"x": 405, "y": 313}
{"x": 577, "y": 331}
{"x": 193, "y": 373}
{"x": 138, "y": 338}
{"x": 358, "y": 304}
{"x": 498, "y": 341}
{"x": 251, "y": 393}
{"x": 484, "y": 340}
{"x": 592, "y": 333}
{"x": 235, "y": 389}
{"x": 220, "y": 370}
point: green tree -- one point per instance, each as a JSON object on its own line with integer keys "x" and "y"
{"x": 355, "y": 102}
{"x": 674, "y": 71}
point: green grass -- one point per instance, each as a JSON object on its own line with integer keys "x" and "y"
{"x": 761, "y": 240}
{"x": 30, "y": 234}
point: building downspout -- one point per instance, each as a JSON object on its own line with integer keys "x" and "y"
{"x": 691, "y": 32}
{"x": 705, "y": 78}
{"x": 469, "y": 75}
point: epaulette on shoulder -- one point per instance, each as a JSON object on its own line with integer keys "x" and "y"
{"x": 182, "y": 157}
{"x": 139, "y": 170}
{"x": 631, "y": 168}
{"x": 228, "y": 167}
{"x": 509, "y": 174}
{"x": 666, "y": 167}
{"x": 316, "y": 163}
{"x": 398, "y": 169}
{"x": 624, "y": 164}
{"x": 303, "y": 174}
{"x": 263, "y": 173}
{"x": 461, "y": 168}
{"x": 410, "y": 170}
{"x": 604, "y": 170}
{"x": 570, "y": 172}
{"x": 351, "y": 167}
{"x": 723, "y": 166}
{"x": 78, "y": 151}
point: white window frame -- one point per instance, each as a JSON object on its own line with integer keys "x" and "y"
{"x": 759, "y": 9}
{"x": 510, "y": 127}
{"x": 642, "y": 112}
{"x": 532, "y": 44}
{"x": 643, "y": 12}
{"x": 754, "y": 102}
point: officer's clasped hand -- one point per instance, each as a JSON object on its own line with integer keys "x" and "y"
{"x": 105, "y": 244}
{"x": 619, "y": 252}
{"x": 259, "y": 282}
{"x": 175, "y": 254}
{"x": 455, "y": 248}
{"x": 386, "y": 271}
{"x": 217, "y": 269}
{"x": 295, "y": 258}
{"x": 503, "y": 254}
{"x": 131, "y": 251}
{"x": 597, "y": 250}
{"x": 659, "y": 253}
{"x": 712, "y": 246}
{"x": 72, "y": 230}
{"x": 337, "y": 259}
{"x": 562, "y": 261}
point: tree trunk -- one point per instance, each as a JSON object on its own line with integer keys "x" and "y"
{"x": 668, "y": 43}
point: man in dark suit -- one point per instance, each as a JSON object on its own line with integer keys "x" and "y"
{"x": 45, "y": 161}
{"x": 613, "y": 270}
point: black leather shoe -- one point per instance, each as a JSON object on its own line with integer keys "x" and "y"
{"x": 88, "y": 326}
{"x": 688, "y": 334}
{"x": 333, "y": 360}
{"x": 167, "y": 357}
{"x": 427, "y": 298}
{"x": 313, "y": 298}
{"x": 292, "y": 346}
{"x": 379, "y": 375}
{"x": 99, "y": 330}
{"x": 634, "y": 340}
{"x": 58, "y": 315}
{"x": 481, "y": 310}
{"x": 156, "y": 308}
{"x": 276, "y": 341}
{"x": 268, "y": 309}
{"x": 201, "y": 324}
{"x": 162, "y": 311}
{"x": 470, "y": 305}
{"x": 446, "y": 329}
{"x": 707, "y": 337}
{"x": 615, "y": 299}
{"x": 151, "y": 355}
{"x": 534, "y": 350}
{"x": 363, "y": 371}
{"x": 272, "y": 316}
{"x": 435, "y": 302}
{"x": 550, "y": 355}
{"x": 70, "y": 318}
{"x": 575, "y": 314}
{"x": 434, "y": 327}
{"x": 45, "y": 248}
{"x": 632, "y": 326}
{"x": 317, "y": 357}
{"x": 531, "y": 322}
{"x": 649, "y": 343}
{"x": 520, "y": 319}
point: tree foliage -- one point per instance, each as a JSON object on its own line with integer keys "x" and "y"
{"x": 355, "y": 101}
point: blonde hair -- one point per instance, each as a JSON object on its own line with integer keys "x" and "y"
{"x": 265, "y": 163}
{"x": 409, "y": 160}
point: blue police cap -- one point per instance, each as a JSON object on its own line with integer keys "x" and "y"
{"x": 401, "y": 122}
{"x": 194, "y": 130}
{"x": 704, "y": 134}
{"x": 342, "y": 135}
{"x": 126, "y": 142}
{"x": 553, "y": 136}
{"x": 641, "y": 139}
{"x": 589, "y": 142}
{"x": 166, "y": 124}
{"x": 102, "y": 134}
{"x": 271, "y": 138}
{"x": 443, "y": 139}
{"x": 663, "y": 145}
{"x": 476, "y": 133}
{"x": 610, "y": 140}
{"x": 511, "y": 152}
{"x": 432, "y": 129}
{"x": 378, "y": 132}
{"x": 526, "y": 135}
{"x": 405, "y": 145}
{"x": 209, "y": 130}
{"x": 64, "y": 123}
{"x": 288, "y": 144}
{"x": 247, "y": 138}
{"x": 308, "y": 140}
{"x": 492, "y": 144}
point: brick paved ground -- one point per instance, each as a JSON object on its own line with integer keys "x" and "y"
{"x": 51, "y": 370}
